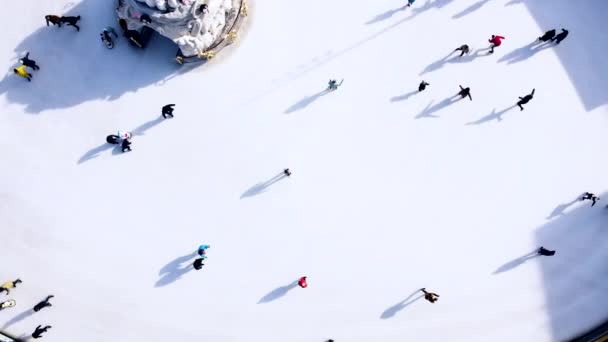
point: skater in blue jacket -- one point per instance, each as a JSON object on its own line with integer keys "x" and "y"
{"x": 202, "y": 251}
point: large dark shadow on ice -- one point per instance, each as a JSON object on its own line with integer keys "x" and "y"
{"x": 583, "y": 52}
{"x": 575, "y": 278}
{"x": 75, "y": 67}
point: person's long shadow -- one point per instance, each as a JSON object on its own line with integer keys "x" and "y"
{"x": 491, "y": 117}
{"x": 456, "y": 59}
{"x": 524, "y": 52}
{"x": 470, "y": 9}
{"x": 141, "y": 130}
{"x": 75, "y": 68}
{"x": 20, "y": 317}
{"x": 430, "y": 109}
{"x": 305, "y": 102}
{"x": 278, "y": 292}
{"x": 404, "y": 96}
{"x": 386, "y": 15}
{"x": 95, "y": 152}
{"x": 559, "y": 210}
{"x": 516, "y": 262}
{"x": 263, "y": 186}
{"x": 393, "y": 310}
{"x": 175, "y": 270}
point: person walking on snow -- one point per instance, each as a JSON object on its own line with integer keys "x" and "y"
{"x": 430, "y": 296}
{"x": 464, "y": 92}
{"x": 464, "y": 49}
{"x": 168, "y": 111}
{"x": 21, "y": 72}
{"x": 302, "y": 283}
{"x": 70, "y": 21}
{"x": 40, "y": 330}
{"x": 9, "y": 285}
{"x": 43, "y": 304}
{"x": 547, "y": 36}
{"x": 126, "y": 145}
{"x": 525, "y": 99}
{"x": 495, "y": 41}
{"x": 29, "y": 62}
{"x": 591, "y": 197}
{"x": 561, "y": 36}
{"x": 198, "y": 263}
{"x": 545, "y": 252}
{"x": 333, "y": 85}
{"x": 422, "y": 86}
{"x": 287, "y": 172}
{"x": 202, "y": 251}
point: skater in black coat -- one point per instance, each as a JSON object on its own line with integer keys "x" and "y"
{"x": 53, "y": 19}
{"x": 464, "y": 49}
{"x": 545, "y": 252}
{"x": 168, "y": 111}
{"x": 464, "y": 92}
{"x": 525, "y": 99}
{"x": 430, "y": 296}
{"x": 126, "y": 145}
{"x": 547, "y": 36}
{"x": 198, "y": 263}
{"x": 591, "y": 197}
{"x": 43, "y": 304}
{"x": 287, "y": 172}
{"x": 70, "y": 21}
{"x": 561, "y": 36}
{"x": 423, "y": 85}
{"x": 29, "y": 62}
{"x": 39, "y": 331}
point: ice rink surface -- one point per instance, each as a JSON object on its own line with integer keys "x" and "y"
{"x": 392, "y": 190}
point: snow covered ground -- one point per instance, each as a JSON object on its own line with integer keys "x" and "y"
{"x": 392, "y": 190}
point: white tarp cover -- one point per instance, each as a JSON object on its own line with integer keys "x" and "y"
{"x": 180, "y": 20}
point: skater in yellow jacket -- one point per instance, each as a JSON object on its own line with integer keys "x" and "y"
{"x": 9, "y": 285}
{"x": 21, "y": 72}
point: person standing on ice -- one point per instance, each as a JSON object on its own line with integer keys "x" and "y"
{"x": 167, "y": 111}
{"x": 287, "y": 173}
{"x": 302, "y": 282}
{"x": 464, "y": 92}
{"x": 561, "y": 36}
{"x": 464, "y": 49}
{"x": 40, "y": 330}
{"x": 333, "y": 85}
{"x": 591, "y": 197}
{"x": 545, "y": 252}
{"x": 29, "y": 62}
{"x": 21, "y": 72}
{"x": 202, "y": 251}
{"x": 547, "y": 36}
{"x": 430, "y": 296}
{"x": 198, "y": 263}
{"x": 9, "y": 285}
{"x": 525, "y": 99}
{"x": 495, "y": 41}
{"x": 43, "y": 304}
{"x": 422, "y": 86}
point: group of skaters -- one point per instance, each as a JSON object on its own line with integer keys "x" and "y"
{"x": 496, "y": 41}
{"x": 10, "y": 285}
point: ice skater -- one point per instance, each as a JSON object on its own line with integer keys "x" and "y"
{"x": 333, "y": 85}
{"x": 198, "y": 263}
{"x": 126, "y": 145}
{"x": 561, "y": 36}
{"x": 40, "y": 330}
{"x": 29, "y": 62}
{"x": 7, "y": 304}
{"x": 430, "y": 296}
{"x": 496, "y": 41}
{"x": 423, "y": 85}
{"x": 545, "y": 252}
{"x": 202, "y": 251}
{"x": 9, "y": 285}
{"x": 591, "y": 197}
{"x": 464, "y": 49}
{"x": 70, "y": 21}
{"x": 287, "y": 173}
{"x": 21, "y": 72}
{"x": 302, "y": 282}
{"x": 168, "y": 111}
{"x": 53, "y": 19}
{"x": 547, "y": 36}
{"x": 106, "y": 36}
{"x": 464, "y": 92}
{"x": 43, "y": 304}
{"x": 525, "y": 99}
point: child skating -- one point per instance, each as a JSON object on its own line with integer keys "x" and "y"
{"x": 430, "y": 296}
{"x": 525, "y": 99}
{"x": 21, "y": 72}
{"x": 202, "y": 251}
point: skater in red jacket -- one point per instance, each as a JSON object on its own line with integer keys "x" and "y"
{"x": 495, "y": 41}
{"x": 302, "y": 282}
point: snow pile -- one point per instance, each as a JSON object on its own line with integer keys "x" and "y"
{"x": 194, "y": 30}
